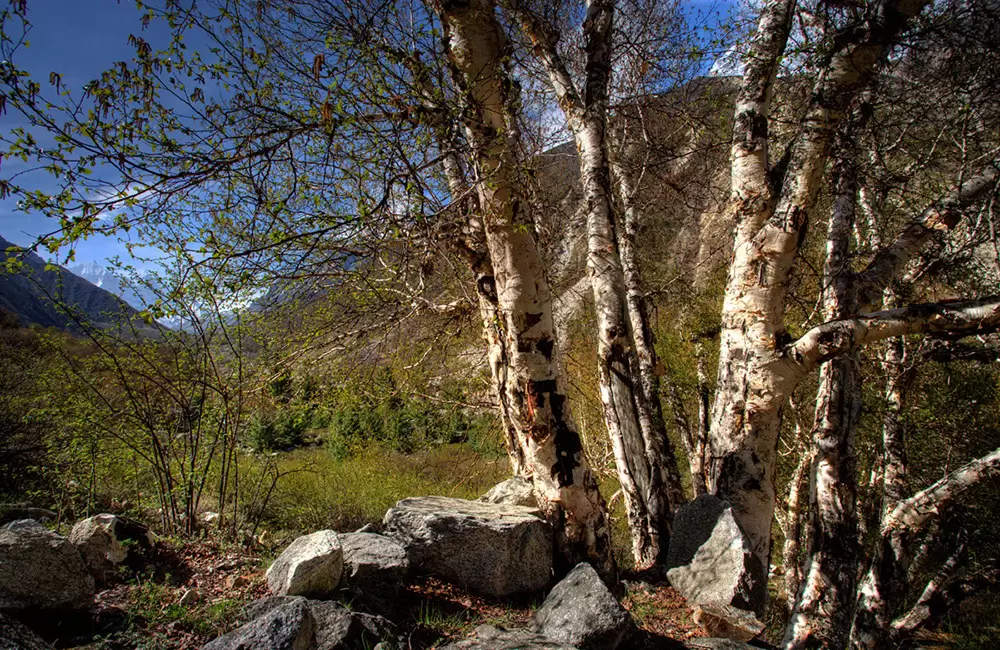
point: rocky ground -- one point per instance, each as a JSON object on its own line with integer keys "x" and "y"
{"x": 437, "y": 572}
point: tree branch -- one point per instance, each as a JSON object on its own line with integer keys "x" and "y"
{"x": 942, "y": 216}
{"x": 838, "y": 337}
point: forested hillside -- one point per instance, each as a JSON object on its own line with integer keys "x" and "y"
{"x": 731, "y": 338}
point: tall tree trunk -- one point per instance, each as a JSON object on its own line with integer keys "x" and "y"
{"x": 552, "y": 447}
{"x": 822, "y": 614}
{"x": 660, "y": 450}
{"x": 647, "y": 468}
{"x": 791, "y": 562}
{"x": 753, "y": 383}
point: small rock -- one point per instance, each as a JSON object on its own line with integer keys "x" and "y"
{"x": 728, "y": 622}
{"x": 310, "y": 566}
{"x": 237, "y": 582}
{"x": 488, "y": 637}
{"x": 40, "y": 570}
{"x": 710, "y": 559}
{"x": 98, "y": 545}
{"x": 580, "y": 611}
{"x": 289, "y": 626}
{"x": 189, "y": 598}
{"x": 15, "y": 635}
{"x": 492, "y": 549}
{"x": 209, "y": 518}
{"x": 517, "y": 491}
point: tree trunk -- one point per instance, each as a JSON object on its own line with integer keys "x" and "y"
{"x": 791, "y": 562}
{"x": 822, "y": 613}
{"x": 647, "y": 468}
{"x": 753, "y": 385}
{"x": 552, "y": 447}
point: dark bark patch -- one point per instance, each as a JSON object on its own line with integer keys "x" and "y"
{"x": 567, "y": 442}
{"x": 530, "y": 320}
{"x": 546, "y": 345}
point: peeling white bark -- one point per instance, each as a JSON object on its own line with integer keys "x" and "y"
{"x": 647, "y": 469}
{"x": 552, "y": 447}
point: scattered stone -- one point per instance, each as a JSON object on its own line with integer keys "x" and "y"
{"x": 580, "y": 611}
{"x": 40, "y": 570}
{"x": 488, "y": 637}
{"x": 209, "y": 518}
{"x": 98, "y": 545}
{"x": 190, "y": 598}
{"x": 15, "y": 635}
{"x": 492, "y": 549}
{"x": 728, "y": 622}
{"x": 710, "y": 561}
{"x": 517, "y": 491}
{"x": 289, "y": 626}
{"x": 237, "y": 582}
{"x": 310, "y": 566}
{"x": 105, "y": 541}
{"x": 336, "y": 627}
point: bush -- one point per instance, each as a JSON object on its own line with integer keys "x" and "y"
{"x": 282, "y": 430}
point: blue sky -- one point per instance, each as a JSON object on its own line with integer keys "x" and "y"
{"x": 81, "y": 38}
{"x": 78, "y": 39}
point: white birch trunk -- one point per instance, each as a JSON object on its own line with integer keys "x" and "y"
{"x": 552, "y": 447}
{"x": 822, "y": 612}
{"x": 647, "y": 469}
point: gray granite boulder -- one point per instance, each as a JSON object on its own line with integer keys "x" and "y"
{"x": 374, "y": 569}
{"x": 372, "y": 561}
{"x": 517, "y": 491}
{"x": 710, "y": 560}
{"x": 309, "y": 566}
{"x": 487, "y": 637}
{"x": 335, "y": 626}
{"x": 289, "y": 626}
{"x": 581, "y": 611}
{"x": 492, "y": 549}
{"x": 15, "y": 635}
{"x": 40, "y": 570}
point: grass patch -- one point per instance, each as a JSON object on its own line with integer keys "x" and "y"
{"x": 321, "y": 491}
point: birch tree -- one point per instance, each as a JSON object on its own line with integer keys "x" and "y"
{"x": 644, "y": 457}
{"x": 477, "y": 49}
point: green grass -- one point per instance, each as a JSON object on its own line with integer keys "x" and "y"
{"x": 321, "y": 491}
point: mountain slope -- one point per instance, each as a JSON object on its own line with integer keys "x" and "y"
{"x": 33, "y": 295}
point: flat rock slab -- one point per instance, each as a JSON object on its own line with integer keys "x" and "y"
{"x": 580, "y": 611}
{"x": 710, "y": 560}
{"x": 487, "y": 637}
{"x": 309, "y": 566}
{"x": 492, "y": 549}
{"x": 40, "y": 570}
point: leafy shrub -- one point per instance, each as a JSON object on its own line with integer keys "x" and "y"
{"x": 281, "y": 430}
